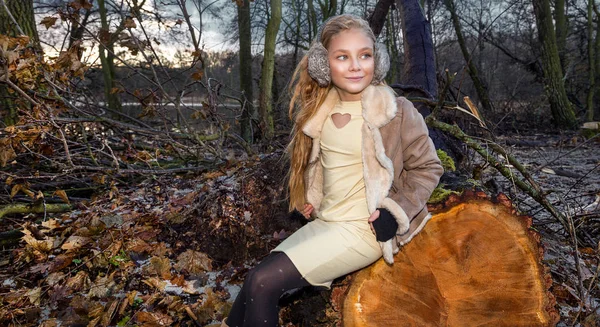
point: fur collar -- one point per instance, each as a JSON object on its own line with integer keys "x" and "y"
{"x": 378, "y": 108}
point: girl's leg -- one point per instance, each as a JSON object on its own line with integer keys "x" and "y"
{"x": 256, "y": 304}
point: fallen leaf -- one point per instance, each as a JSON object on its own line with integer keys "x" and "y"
{"x": 138, "y": 245}
{"x": 51, "y": 224}
{"x": 34, "y": 295}
{"x": 80, "y": 282}
{"x": 62, "y": 195}
{"x": 75, "y": 242}
{"x": 102, "y": 287}
{"x": 43, "y": 246}
{"x": 156, "y": 283}
{"x": 153, "y": 319}
{"x": 160, "y": 266}
{"x": 61, "y": 261}
{"x": 193, "y": 262}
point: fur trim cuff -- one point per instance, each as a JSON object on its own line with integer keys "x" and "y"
{"x": 398, "y": 213}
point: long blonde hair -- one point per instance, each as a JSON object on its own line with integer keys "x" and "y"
{"x": 307, "y": 97}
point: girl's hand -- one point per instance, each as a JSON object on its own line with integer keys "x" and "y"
{"x": 373, "y": 217}
{"x": 308, "y": 208}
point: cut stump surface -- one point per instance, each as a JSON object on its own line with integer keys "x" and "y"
{"x": 476, "y": 264}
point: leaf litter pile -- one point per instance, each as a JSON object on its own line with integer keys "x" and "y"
{"x": 166, "y": 252}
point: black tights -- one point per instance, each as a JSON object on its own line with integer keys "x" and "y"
{"x": 257, "y": 303}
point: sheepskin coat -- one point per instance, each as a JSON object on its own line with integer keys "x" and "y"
{"x": 400, "y": 164}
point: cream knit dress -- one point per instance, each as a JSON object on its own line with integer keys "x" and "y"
{"x": 339, "y": 240}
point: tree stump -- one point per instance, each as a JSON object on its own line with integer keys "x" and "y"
{"x": 477, "y": 263}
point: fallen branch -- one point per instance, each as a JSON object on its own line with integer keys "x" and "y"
{"x": 530, "y": 187}
{"x": 25, "y": 208}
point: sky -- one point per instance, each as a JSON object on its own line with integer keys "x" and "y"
{"x": 212, "y": 37}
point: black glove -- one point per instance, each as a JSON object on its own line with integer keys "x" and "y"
{"x": 385, "y": 226}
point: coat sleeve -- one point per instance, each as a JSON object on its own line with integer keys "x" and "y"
{"x": 417, "y": 168}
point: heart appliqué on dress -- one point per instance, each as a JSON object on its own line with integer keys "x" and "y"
{"x": 340, "y": 120}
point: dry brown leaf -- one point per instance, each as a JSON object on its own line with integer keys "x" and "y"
{"x": 48, "y": 21}
{"x": 109, "y": 314}
{"x": 103, "y": 286}
{"x": 34, "y": 295}
{"x": 62, "y": 195}
{"x": 55, "y": 278}
{"x": 138, "y": 245}
{"x": 80, "y": 282}
{"x": 43, "y": 246}
{"x": 193, "y": 262}
{"x": 7, "y": 154}
{"x": 153, "y": 319}
{"x": 51, "y": 224}
{"x": 211, "y": 305}
{"x": 61, "y": 261}
{"x": 131, "y": 297}
{"x": 75, "y": 242}
{"x": 52, "y": 322}
{"x": 192, "y": 286}
{"x": 129, "y": 23}
{"x": 156, "y": 283}
{"x": 160, "y": 266}
{"x": 114, "y": 248}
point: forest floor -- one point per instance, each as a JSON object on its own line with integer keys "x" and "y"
{"x": 567, "y": 167}
{"x": 174, "y": 250}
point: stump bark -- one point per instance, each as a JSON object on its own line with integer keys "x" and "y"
{"x": 477, "y": 263}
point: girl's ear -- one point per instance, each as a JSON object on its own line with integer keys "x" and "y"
{"x": 318, "y": 64}
{"x": 382, "y": 63}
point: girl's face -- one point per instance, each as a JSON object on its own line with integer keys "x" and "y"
{"x": 351, "y": 61}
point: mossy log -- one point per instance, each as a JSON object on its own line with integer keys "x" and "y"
{"x": 26, "y": 208}
{"x": 477, "y": 263}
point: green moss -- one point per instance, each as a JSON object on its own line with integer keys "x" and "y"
{"x": 447, "y": 162}
{"x": 588, "y": 133}
{"x": 440, "y": 194}
{"x": 474, "y": 182}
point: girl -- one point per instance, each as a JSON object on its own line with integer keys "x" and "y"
{"x": 362, "y": 165}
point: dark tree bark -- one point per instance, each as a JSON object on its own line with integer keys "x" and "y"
{"x": 561, "y": 31}
{"x": 22, "y": 13}
{"x": 268, "y": 68}
{"x": 561, "y": 108}
{"x": 419, "y": 66}
{"x": 378, "y": 17}
{"x": 245, "y": 55}
{"x": 591, "y": 61}
{"x": 419, "y": 59}
{"x": 107, "y": 59}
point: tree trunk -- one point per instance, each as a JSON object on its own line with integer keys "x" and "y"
{"x": 107, "y": 59}
{"x": 245, "y": 55}
{"x": 591, "y": 61}
{"x": 22, "y": 12}
{"x": 419, "y": 60}
{"x": 562, "y": 111}
{"x": 452, "y": 274}
{"x": 482, "y": 92}
{"x": 377, "y": 18}
{"x": 312, "y": 19}
{"x": 268, "y": 67}
{"x": 561, "y": 31}
{"x": 597, "y": 52}
{"x": 419, "y": 66}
